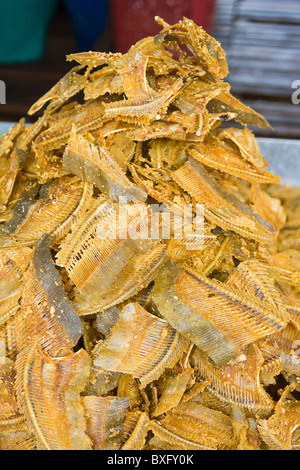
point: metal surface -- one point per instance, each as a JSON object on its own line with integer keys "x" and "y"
{"x": 283, "y": 156}
{"x": 4, "y": 127}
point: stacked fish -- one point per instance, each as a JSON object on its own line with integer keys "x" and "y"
{"x": 121, "y": 327}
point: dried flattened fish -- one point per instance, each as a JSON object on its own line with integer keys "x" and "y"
{"x": 25, "y": 187}
{"x": 14, "y": 433}
{"x": 225, "y": 102}
{"x": 167, "y": 153}
{"x": 173, "y": 391}
{"x": 105, "y": 320}
{"x": 101, "y": 82}
{"x": 187, "y": 248}
{"x": 105, "y": 416}
{"x": 139, "y": 272}
{"x": 17, "y": 218}
{"x": 285, "y": 266}
{"x": 191, "y": 426}
{"x": 268, "y": 207}
{"x": 48, "y": 165}
{"x": 292, "y": 305}
{"x": 145, "y": 112}
{"x": 31, "y": 132}
{"x": 197, "y": 94}
{"x": 204, "y": 48}
{"x": 140, "y": 344}
{"x": 235, "y": 384}
{"x": 95, "y": 59}
{"x": 8, "y": 178}
{"x": 18, "y": 440}
{"x": 245, "y": 141}
{"x": 273, "y": 364}
{"x": 253, "y": 280}
{"x": 221, "y": 207}
{"x": 80, "y": 253}
{"x": 158, "y": 129}
{"x": 13, "y": 264}
{"x": 7, "y": 342}
{"x": 287, "y": 343}
{"x": 99, "y": 256}
{"x": 196, "y": 127}
{"x": 60, "y": 204}
{"x": 132, "y": 70}
{"x": 158, "y": 186}
{"x": 94, "y": 164}
{"x": 9, "y": 161}
{"x": 88, "y": 117}
{"x": 160, "y": 60}
{"x": 281, "y": 430}
{"x": 142, "y": 104}
{"x": 101, "y": 382}
{"x": 46, "y": 316}
{"x": 288, "y": 239}
{"x": 195, "y": 306}
{"x": 218, "y": 155}
{"x": 8, "y": 139}
{"x": 110, "y": 130}
{"x": 10, "y": 416}
{"x": 245, "y": 430}
{"x": 90, "y": 334}
{"x": 216, "y": 254}
{"x": 121, "y": 147}
{"x": 135, "y": 429}
{"x": 186, "y": 319}
{"x": 62, "y": 91}
{"x": 48, "y": 393}
{"x": 130, "y": 388}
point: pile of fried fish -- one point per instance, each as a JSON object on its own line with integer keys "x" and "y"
{"x": 167, "y": 337}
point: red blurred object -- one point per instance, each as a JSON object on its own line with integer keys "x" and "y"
{"x": 134, "y": 19}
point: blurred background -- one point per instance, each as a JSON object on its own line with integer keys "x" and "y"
{"x": 261, "y": 40}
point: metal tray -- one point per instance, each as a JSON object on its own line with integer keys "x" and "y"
{"x": 283, "y": 156}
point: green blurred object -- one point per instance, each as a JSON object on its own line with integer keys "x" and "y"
{"x": 23, "y": 29}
